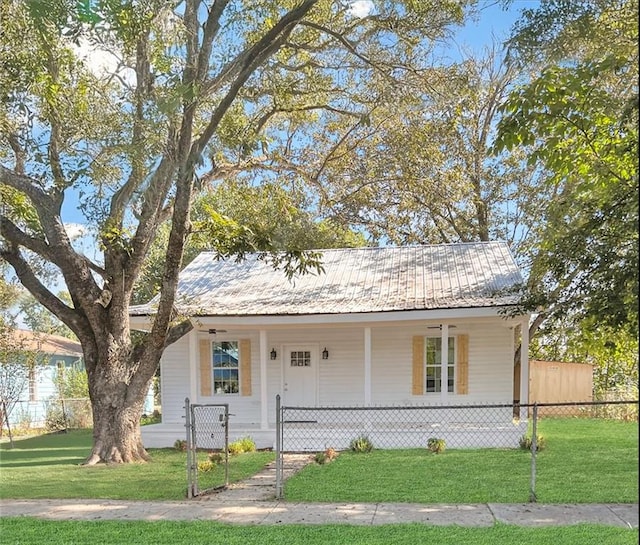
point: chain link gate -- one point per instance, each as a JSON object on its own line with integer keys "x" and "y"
{"x": 207, "y": 429}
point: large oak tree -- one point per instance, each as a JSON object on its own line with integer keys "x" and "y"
{"x": 200, "y": 90}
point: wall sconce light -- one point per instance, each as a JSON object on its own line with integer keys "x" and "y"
{"x": 274, "y": 354}
{"x": 325, "y": 354}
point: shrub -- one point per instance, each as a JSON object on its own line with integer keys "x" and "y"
{"x": 55, "y": 419}
{"x": 205, "y": 466}
{"x": 526, "y": 442}
{"x": 331, "y": 453}
{"x": 361, "y": 444}
{"x": 436, "y": 445}
{"x": 246, "y": 444}
{"x": 320, "y": 458}
{"x": 24, "y": 419}
{"x": 146, "y": 420}
{"x": 180, "y": 444}
{"x": 325, "y": 456}
{"x": 216, "y": 457}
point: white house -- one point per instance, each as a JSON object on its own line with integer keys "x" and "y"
{"x": 368, "y": 331}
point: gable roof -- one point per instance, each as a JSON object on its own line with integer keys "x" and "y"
{"x": 53, "y": 345}
{"x": 355, "y": 280}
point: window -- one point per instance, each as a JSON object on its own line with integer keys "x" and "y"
{"x": 225, "y": 367}
{"x": 433, "y": 358}
{"x": 300, "y": 358}
{"x": 33, "y": 385}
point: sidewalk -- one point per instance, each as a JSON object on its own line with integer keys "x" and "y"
{"x": 276, "y": 512}
{"x": 253, "y": 502}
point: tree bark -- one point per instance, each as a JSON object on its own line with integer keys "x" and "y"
{"x": 117, "y": 405}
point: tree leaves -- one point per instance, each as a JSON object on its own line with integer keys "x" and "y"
{"x": 581, "y": 121}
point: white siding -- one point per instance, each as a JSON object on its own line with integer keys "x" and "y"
{"x": 174, "y": 381}
{"x": 490, "y": 366}
{"x": 341, "y": 376}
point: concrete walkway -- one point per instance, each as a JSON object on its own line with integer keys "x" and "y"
{"x": 278, "y": 512}
{"x": 253, "y": 502}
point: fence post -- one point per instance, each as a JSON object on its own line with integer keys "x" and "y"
{"x": 534, "y": 450}
{"x": 278, "y": 450}
{"x": 64, "y": 415}
{"x": 5, "y": 417}
{"x": 187, "y": 425}
{"x": 226, "y": 445}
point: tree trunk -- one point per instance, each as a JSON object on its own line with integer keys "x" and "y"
{"x": 117, "y": 390}
{"x": 116, "y": 431}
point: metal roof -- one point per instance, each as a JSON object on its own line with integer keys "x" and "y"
{"x": 355, "y": 280}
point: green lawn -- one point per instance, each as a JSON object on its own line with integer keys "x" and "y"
{"x": 31, "y": 531}
{"x": 49, "y": 466}
{"x": 585, "y": 461}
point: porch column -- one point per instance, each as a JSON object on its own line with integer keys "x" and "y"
{"x": 524, "y": 361}
{"x": 264, "y": 402}
{"x": 193, "y": 366}
{"x": 444, "y": 363}
{"x": 367, "y": 366}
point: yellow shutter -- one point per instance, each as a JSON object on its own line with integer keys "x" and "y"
{"x": 418, "y": 366}
{"x": 205, "y": 368}
{"x": 245, "y": 367}
{"x": 462, "y": 365}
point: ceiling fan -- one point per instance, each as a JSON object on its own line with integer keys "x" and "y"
{"x": 212, "y": 331}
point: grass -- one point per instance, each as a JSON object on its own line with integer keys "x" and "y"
{"x": 27, "y": 531}
{"x": 48, "y": 466}
{"x": 585, "y": 461}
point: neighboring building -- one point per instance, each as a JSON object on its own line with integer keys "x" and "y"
{"x": 368, "y": 331}
{"x": 53, "y": 355}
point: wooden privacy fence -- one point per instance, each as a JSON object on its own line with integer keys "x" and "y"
{"x": 559, "y": 382}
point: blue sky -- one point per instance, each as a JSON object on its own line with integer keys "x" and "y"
{"x": 493, "y": 23}
{"x": 493, "y": 20}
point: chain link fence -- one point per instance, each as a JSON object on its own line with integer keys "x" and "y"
{"x": 207, "y": 445}
{"x": 49, "y": 415}
{"x": 471, "y": 427}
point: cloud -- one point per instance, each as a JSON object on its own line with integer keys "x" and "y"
{"x": 101, "y": 62}
{"x": 360, "y": 8}
{"x": 76, "y": 230}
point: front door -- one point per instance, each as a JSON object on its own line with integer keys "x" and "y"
{"x": 300, "y": 375}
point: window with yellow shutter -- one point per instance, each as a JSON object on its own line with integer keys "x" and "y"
{"x": 226, "y": 367}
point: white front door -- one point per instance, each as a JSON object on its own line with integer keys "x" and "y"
{"x": 300, "y": 375}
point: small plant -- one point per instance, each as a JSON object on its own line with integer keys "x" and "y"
{"x": 325, "y": 456}
{"x": 320, "y": 458}
{"x": 206, "y": 466}
{"x": 361, "y": 444}
{"x": 216, "y": 457}
{"x": 146, "y": 420}
{"x": 55, "y": 419}
{"x": 180, "y": 444}
{"x": 246, "y": 444}
{"x": 436, "y": 445}
{"x": 526, "y": 442}
{"x": 331, "y": 454}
